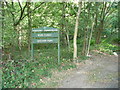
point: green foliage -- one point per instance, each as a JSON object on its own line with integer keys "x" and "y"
{"x": 92, "y": 42}
{"x": 107, "y": 47}
{"x": 82, "y": 58}
{"x": 15, "y": 73}
{"x": 22, "y": 73}
{"x": 68, "y": 66}
{"x": 116, "y": 40}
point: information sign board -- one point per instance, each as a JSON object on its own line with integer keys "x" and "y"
{"x": 45, "y": 35}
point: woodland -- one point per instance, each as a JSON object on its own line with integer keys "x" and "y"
{"x": 83, "y": 26}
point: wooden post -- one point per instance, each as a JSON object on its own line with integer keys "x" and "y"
{"x": 58, "y": 48}
{"x": 32, "y": 52}
{"x": 32, "y": 47}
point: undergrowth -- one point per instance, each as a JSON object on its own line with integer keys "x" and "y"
{"x": 107, "y": 48}
{"x": 25, "y": 73}
{"x": 22, "y": 72}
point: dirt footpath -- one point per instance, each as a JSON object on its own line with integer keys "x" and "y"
{"x": 100, "y": 71}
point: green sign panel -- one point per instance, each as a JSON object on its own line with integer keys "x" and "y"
{"x": 45, "y": 29}
{"x": 52, "y": 40}
{"x": 45, "y": 35}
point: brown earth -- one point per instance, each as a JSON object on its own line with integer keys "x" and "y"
{"x": 99, "y": 71}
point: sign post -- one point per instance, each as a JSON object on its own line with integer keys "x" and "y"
{"x": 58, "y": 47}
{"x": 45, "y": 35}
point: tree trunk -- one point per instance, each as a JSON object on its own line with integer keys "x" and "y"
{"x": 75, "y": 32}
{"x": 64, "y": 24}
{"x": 90, "y": 39}
{"x": 68, "y": 40}
{"x": 86, "y": 34}
{"x": 16, "y": 38}
{"x": 63, "y": 33}
{"x": 100, "y": 30}
{"x": 1, "y": 31}
{"x": 96, "y": 20}
{"x": 85, "y": 43}
{"x": 29, "y": 26}
{"x": 66, "y": 30}
{"x": 101, "y": 25}
{"x": 3, "y": 15}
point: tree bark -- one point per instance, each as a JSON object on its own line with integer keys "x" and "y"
{"x": 64, "y": 37}
{"x": 102, "y": 19}
{"x": 85, "y": 43}
{"x": 66, "y": 28}
{"x": 3, "y": 15}
{"x": 29, "y": 26}
{"x": 1, "y": 31}
{"x": 88, "y": 49}
{"x": 100, "y": 30}
{"x": 75, "y": 32}
{"x": 86, "y": 34}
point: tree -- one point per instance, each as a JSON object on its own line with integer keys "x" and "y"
{"x": 105, "y": 11}
{"x": 76, "y": 32}
{"x": 18, "y": 17}
{"x": 29, "y": 25}
{"x": 85, "y": 42}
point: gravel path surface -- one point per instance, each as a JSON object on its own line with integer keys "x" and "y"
{"x": 100, "y": 71}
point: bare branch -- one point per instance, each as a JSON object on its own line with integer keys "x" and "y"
{"x": 73, "y": 9}
{"x": 20, "y": 5}
{"x": 108, "y": 9}
{"x": 109, "y": 13}
{"x": 32, "y": 10}
{"x": 21, "y": 15}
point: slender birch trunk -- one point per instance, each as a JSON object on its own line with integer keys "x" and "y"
{"x": 75, "y": 32}
{"x": 90, "y": 39}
